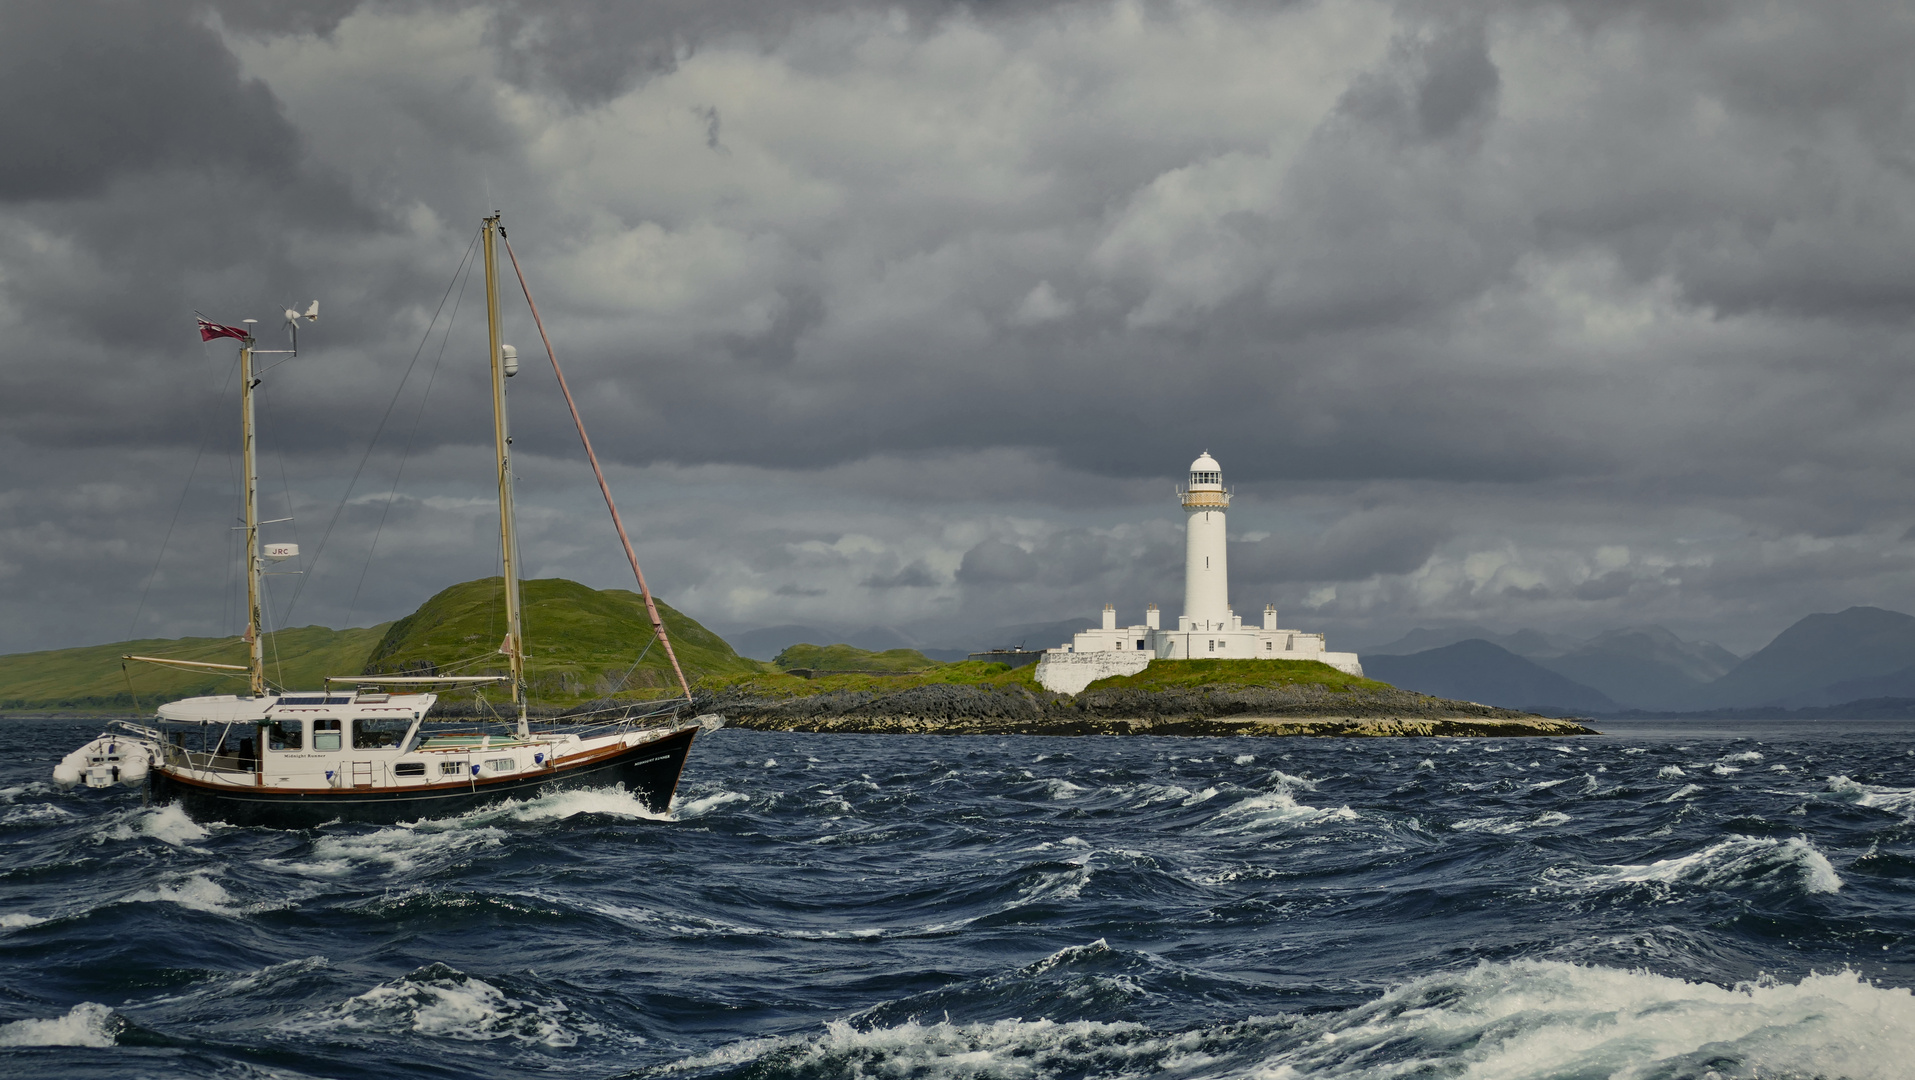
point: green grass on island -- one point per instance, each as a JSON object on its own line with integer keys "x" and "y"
{"x": 91, "y": 678}
{"x": 847, "y": 658}
{"x": 1191, "y": 674}
{"x": 772, "y": 685}
{"x": 1160, "y": 675}
{"x": 580, "y": 643}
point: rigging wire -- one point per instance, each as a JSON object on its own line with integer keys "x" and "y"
{"x": 412, "y": 434}
{"x": 370, "y": 446}
{"x": 651, "y": 608}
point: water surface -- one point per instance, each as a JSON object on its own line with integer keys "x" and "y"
{"x": 1662, "y": 901}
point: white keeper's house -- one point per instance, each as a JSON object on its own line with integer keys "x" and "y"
{"x": 1207, "y": 630}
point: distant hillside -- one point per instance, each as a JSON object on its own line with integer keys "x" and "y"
{"x": 847, "y": 658}
{"x": 1478, "y": 671}
{"x": 579, "y": 641}
{"x": 1530, "y": 643}
{"x": 90, "y": 677}
{"x": 1645, "y": 667}
{"x": 1811, "y": 661}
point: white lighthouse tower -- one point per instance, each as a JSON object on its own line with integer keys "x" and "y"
{"x": 1206, "y": 559}
{"x": 1207, "y": 630}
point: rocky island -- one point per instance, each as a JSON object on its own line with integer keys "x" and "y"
{"x": 1204, "y": 697}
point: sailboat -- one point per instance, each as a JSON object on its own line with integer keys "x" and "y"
{"x": 366, "y": 748}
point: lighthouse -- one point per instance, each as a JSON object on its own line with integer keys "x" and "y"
{"x": 1206, "y": 558}
{"x": 1207, "y": 630}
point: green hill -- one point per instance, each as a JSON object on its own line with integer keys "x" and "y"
{"x": 90, "y": 677}
{"x": 579, "y": 641}
{"x": 846, "y": 658}
{"x": 1191, "y": 674}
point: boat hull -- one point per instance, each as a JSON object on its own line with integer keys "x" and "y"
{"x": 648, "y": 770}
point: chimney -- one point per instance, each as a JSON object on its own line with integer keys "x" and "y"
{"x": 1110, "y": 617}
{"x": 1269, "y": 616}
{"x": 1150, "y": 617}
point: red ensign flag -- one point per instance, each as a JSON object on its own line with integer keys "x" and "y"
{"x": 210, "y": 330}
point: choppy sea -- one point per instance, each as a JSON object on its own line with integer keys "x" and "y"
{"x": 1658, "y": 902}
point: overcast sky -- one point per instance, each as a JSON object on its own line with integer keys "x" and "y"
{"x": 1566, "y": 316}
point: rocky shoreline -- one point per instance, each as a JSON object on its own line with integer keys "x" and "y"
{"x": 1301, "y": 710}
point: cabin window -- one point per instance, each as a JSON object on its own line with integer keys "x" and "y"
{"x": 409, "y": 768}
{"x": 286, "y": 735}
{"x": 452, "y": 768}
{"x": 325, "y": 734}
{"x": 376, "y": 733}
{"x": 502, "y": 764}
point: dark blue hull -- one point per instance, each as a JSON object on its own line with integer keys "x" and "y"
{"x": 649, "y": 770}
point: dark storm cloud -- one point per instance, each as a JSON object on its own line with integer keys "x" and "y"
{"x": 94, "y": 95}
{"x": 1360, "y": 546}
{"x": 1545, "y": 311}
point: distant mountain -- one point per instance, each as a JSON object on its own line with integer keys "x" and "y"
{"x": 1646, "y": 667}
{"x": 1488, "y": 674}
{"x": 1531, "y": 643}
{"x": 1821, "y": 659}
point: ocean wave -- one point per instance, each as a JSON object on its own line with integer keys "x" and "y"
{"x": 1513, "y": 1021}
{"x": 1891, "y": 799}
{"x": 705, "y": 804}
{"x": 443, "y": 1002}
{"x": 1736, "y": 861}
{"x": 396, "y": 849}
{"x": 167, "y": 824}
{"x": 86, "y": 1024}
{"x": 1274, "y": 809}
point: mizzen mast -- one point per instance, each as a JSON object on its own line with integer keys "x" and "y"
{"x": 514, "y": 644}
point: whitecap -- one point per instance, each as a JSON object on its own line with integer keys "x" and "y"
{"x": 442, "y": 1002}
{"x": 1245, "y": 759}
{"x": 86, "y": 1024}
{"x": 195, "y": 891}
{"x": 1497, "y": 1020}
{"x": 1735, "y": 861}
{"x": 1671, "y": 772}
{"x": 1552, "y": 1019}
{"x": 1683, "y": 792}
{"x": 1894, "y": 800}
{"x": 703, "y": 805}
{"x": 14, "y": 920}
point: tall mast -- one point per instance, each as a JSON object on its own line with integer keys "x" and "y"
{"x": 514, "y": 645}
{"x": 256, "y": 663}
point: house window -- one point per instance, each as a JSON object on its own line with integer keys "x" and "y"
{"x": 1269, "y": 646}
{"x": 1140, "y": 643}
{"x": 1213, "y": 644}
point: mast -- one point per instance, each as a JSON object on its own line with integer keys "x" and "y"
{"x": 514, "y": 645}
{"x": 256, "y": 662}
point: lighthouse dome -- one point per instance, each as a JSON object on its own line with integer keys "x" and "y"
{"x": 1206, "y": 473}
